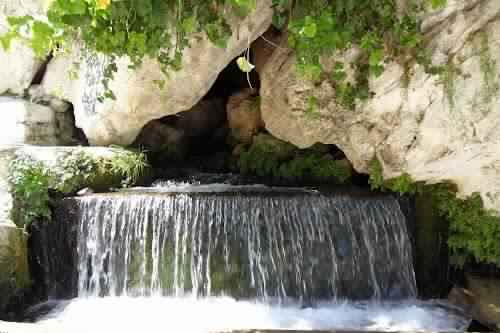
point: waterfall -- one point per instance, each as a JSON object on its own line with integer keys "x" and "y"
{"x": 226, "y": 258}
{"x": 271, "y": 244}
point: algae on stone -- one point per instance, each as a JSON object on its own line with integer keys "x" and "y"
{"x": 14, "y": 271}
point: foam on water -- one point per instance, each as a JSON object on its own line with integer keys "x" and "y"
{"x": 223, "y": 314}
{"x": 161, "y": 259}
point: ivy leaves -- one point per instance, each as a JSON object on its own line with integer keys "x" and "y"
{"x": 139, "y": 29}
{"x": 162, "y": 29}
{"x": 323, "y": 28}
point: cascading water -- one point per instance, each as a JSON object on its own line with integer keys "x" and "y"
{"x": 301, "y": 245}
{"x": 217, "y": 258}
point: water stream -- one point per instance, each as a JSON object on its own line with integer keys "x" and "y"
{"x": 212, "y": 258}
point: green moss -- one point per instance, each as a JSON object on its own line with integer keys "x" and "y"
{"x": 474, "y": 232}
{"x": 376, "y": 175}
{"x": 282, "y": 161}
{"x": 491, "y": 86}
{"x": 448, "y": 76}
{"x": 402, "y": 184}
{"x": 14, "y": 270}
{"x": 18, "y": 253}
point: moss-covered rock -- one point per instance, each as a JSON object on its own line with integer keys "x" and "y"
{"x": 14, "y": 272}
{"x": 266, "y": 143}
{"x": 279, "y": 160}
{"x": 474, "y": 230}
{"x": 34, "y": 172}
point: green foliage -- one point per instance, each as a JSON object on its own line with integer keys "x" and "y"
{"x": 323, "y": 28}
{"x": 158, "y": 29}
{"x": 376, "y": 175}
{"x": 448, "y": 75}
{"x": 435, "y": 4}
{"x": 32, "y": 180}
{"x": 402, "y": 184}
{"x": 488, "y": 67}
{"x": 305, "y": 166}
{"x": 162, "y": 29}
{"x": 129, "y": 165}
{"x": 312, "y": 106}
{"x": 76, "y": 170}
{"x": 474, "y": 231}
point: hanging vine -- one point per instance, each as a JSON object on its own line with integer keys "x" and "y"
{"x": 162, "y": 29}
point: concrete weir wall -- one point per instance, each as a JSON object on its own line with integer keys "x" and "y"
{"x": 14, "y": 272}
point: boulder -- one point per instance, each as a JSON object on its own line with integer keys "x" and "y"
{"x": 26, "y": 122}
{"x": 29, "y": 123}
{"x": 173, "y": 136}
{"x": 481, "y": 299}
{"x": 157, "y": 137}
{"x": 484, "y": 296}
{"x": 19, "y": 63}
{"x": 436, "y": 128}
{"x": 243, "y": 115}
{"x": 138, "y": 97}
{"x": 202, "y": 119}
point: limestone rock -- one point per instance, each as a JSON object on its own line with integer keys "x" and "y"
{"x": 25, "y": 122}
{"x": 138, "y": 99}
{"x": 434, "y": 127}
{"x": 172, "y": 136}
{"x": 461, "y": 298}
{"x": 264, "y": 46}
{"x": 29, "y": 123}
{"x": 18, "y": 65}
{"x": 157, "y": 137}
{"x": 243, "y": 116}
{"x": 202, "y": 119}
{"x": 485, "y": 294}
{"x": 67, "y": 133}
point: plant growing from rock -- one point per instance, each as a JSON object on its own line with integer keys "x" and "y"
{"x": 30, "y": 187}
{"x": 162, "y": 29}
{"x": 474, "y": 230}
{"x": 32, "y": 181}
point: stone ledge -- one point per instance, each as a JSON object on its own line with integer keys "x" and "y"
{"x": 6, "y": 327}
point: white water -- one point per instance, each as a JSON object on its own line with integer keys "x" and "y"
{"x": 163, "y": 244}
{"x": 223, "y": 314}
{"x": 282, "y": 244}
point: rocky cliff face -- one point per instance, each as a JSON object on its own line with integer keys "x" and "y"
{"x": 138, "y": 98}
{"x": 436, "y": 128}
{"x": 19, "y": 66}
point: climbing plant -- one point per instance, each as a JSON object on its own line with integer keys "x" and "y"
{"x": 474, "y": 232}
{"x": 158, "y": 29}
{"x": 162, "y": 29}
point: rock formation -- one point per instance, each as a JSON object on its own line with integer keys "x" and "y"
{"x": 138, "y": 98}
{"x": 436, "y": 128}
